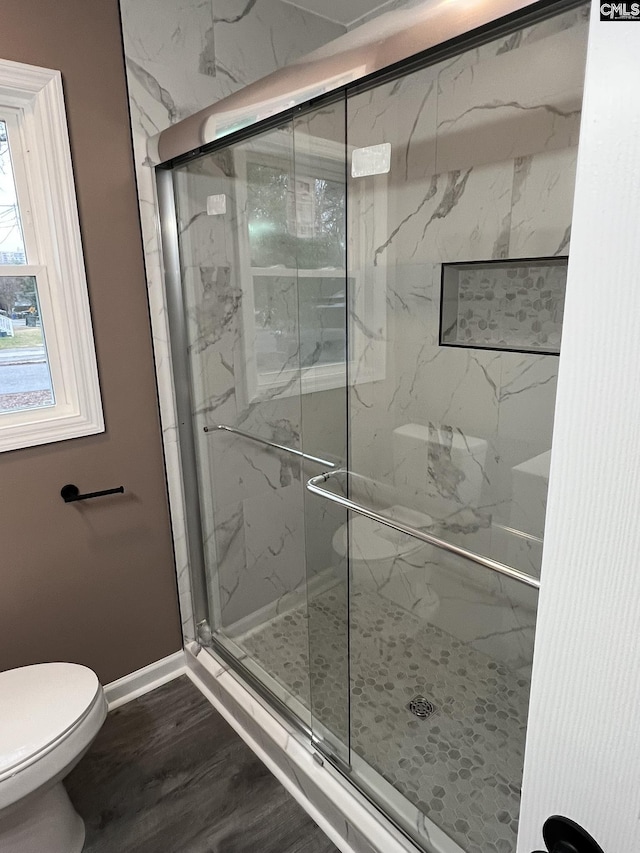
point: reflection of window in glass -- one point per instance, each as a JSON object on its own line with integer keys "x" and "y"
{"x": 291, "y": 231}
{"x": 296, "y": 235}
{"x": 294, "y": 222}
{"x": 11, "y": 239}
{"x": 25, "y": 377}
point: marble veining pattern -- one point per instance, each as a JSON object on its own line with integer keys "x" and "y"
{"x": 186, "y": 58}
{"x": 483, "y": 165}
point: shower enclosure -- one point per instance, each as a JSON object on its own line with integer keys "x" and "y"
{"x": 368, "y": 309}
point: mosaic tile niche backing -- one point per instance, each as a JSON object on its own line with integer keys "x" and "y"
{"x": 514, "y": 305}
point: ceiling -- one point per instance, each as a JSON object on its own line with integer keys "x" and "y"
{"x": 344, "y": 12}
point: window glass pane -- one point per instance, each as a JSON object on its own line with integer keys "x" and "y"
{"x": 25, "y": 378}
{"x": 11, "y": 237}
{"x": 295, "y": 223}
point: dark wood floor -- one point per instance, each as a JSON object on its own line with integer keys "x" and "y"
{"x": 168, "y": 775}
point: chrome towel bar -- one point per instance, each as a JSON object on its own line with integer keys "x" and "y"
{"x": 313, "y": 485}
{"x": 324, "y": 462}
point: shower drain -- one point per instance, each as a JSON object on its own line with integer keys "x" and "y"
{"x": 421, "y": 707}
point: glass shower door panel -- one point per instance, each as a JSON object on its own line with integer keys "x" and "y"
{"x": 238, "y": 253}
{"x": 461, "y": 181}
{"x": 319, "y": 147}
{"x": 439, "y": 691}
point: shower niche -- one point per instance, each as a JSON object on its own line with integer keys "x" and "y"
{"x": 371, "y": 351}
{"x": 514, "y": 305}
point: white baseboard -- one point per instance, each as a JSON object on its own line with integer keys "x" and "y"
{"x": 144, "y": 680}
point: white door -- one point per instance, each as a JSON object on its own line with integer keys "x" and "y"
{"x": 583, "y": 747}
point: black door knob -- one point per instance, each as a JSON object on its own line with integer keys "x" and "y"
{"x": 562, "y": 835}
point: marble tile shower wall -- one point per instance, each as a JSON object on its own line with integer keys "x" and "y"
{"x": 182, "y": 56}
{"x": 483, "y": 167}
{"x": 456, "y": 191}
{"x": 445, "y": 199}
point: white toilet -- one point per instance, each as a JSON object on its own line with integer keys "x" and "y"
{"x": 438, "y": 469}
{"x": 389, "y": 562}
{"x": 49, "y": 715}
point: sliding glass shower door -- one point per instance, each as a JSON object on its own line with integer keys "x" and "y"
{"x": 459, "y": 195}
{"x": 238, "y": 251}
{"x": 374, "y": 292}
{"x": 262, "y": 239}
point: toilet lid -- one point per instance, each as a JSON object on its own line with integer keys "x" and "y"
{"x": 370, "y": 540}
{"x": 38, "y": 705}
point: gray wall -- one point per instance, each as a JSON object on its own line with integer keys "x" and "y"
{"x": 92, "y": 583}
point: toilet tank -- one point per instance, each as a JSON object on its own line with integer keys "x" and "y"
{"x": 438, "y": 469}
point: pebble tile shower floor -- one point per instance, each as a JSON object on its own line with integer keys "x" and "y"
{"x": 462, "y": 766}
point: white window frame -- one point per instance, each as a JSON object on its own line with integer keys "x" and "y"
{"x": 32, "y": 104}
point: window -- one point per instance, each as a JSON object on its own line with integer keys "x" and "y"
{"x": 49, "y": 387}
